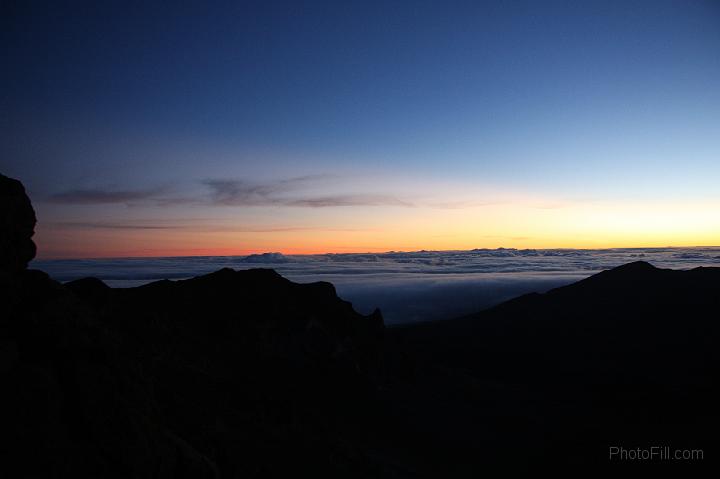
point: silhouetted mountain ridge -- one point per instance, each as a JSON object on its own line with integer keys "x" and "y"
{"x": 231, "y": 366}
{"x": 628, "y": 356}
{"x": 632, "y": 283}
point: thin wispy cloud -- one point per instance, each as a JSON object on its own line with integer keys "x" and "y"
{"x": 462, "y": 204}
{"x": 245, "y": 192}
{"x": 347, "y": 200}
{"x": 193, "y": 225}
{"x": 114, "y": 226}
{"x": 285, "y": 193}
{"x": 290, "y": 192}
{"x": 92, "y": 196}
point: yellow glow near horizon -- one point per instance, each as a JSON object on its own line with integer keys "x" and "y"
{"x": 519, "y": 224}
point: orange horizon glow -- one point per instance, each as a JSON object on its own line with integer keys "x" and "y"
{"x": 303, "y": 252}
{"x": 519, "y": 224}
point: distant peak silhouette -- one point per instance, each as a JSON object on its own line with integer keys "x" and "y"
{"x": 633, "y": 267}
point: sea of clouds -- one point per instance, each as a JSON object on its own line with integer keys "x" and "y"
{"x": 406, "y": 286}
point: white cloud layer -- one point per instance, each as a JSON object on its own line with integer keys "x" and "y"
{"x": 406, "y": 286}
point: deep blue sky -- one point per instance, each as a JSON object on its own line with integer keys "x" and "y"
{"x": 600, "y": 101}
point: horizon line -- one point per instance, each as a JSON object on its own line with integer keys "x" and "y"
{"x": 90, "y": 258}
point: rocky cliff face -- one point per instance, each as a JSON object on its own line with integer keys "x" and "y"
{"x": 17, "y": 226}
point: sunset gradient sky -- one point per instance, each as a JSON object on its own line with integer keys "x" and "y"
{"x": 214, "y": 128}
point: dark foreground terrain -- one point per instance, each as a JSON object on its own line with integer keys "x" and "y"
{"x": 246, "y": 374}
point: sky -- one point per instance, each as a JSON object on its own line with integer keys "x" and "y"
{"x": 228, "y": 128}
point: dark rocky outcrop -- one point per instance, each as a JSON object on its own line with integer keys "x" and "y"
{"x": 17, "y": 226}
{"x": 185, "y": 379}
{"x": 628, "y": 357}
{"x": 75, "y": 403}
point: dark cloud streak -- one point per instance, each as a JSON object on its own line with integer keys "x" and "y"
{"x": 98, "y": 196}
{"x": 290, "y": 192}
{"x": 242, "y": 193}
{"x": 115, "y": 226}
{"x": 347, "y": 200}
{"x": 191, "y": 225}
